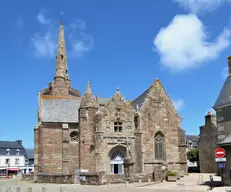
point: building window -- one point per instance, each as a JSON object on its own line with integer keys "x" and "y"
{"x": 17, "y": 152}
{"x": 74, "y": 136}
{"x": 159, "y": 146}
{"x": 7, "y": 161}
{"x": 8, "y": 152}
{"x": 17, "y": 162}
{"x": 190, "y": 146}
{"x": 118, "y": 126}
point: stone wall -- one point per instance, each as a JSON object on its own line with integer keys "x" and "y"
{"x": 94, "y": 178}
{"x": 50, "y": 148}
{"x": 56, "y": 178}
{"x": 27, "y": 177}
{"x": 115, "y": 178}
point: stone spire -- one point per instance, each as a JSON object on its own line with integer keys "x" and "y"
{"x": 61, "y": 57}
{"x": 89, "y": 100}
{"x": 61, "y": 84}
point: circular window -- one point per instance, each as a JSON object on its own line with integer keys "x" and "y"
{"x": 74, "y": 136}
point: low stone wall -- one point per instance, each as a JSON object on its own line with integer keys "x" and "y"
{"x": 55, "y": 178}
{"x": 115, "y": 178}
{"x": 95, "y": 178}
{"x": 28, "y": 177}
{"x": 143, "y": 177}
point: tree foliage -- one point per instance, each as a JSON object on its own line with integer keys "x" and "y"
{"x": 193, "y": 155}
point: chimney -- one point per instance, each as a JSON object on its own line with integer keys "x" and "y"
{"x": 208, "y": 117}
{"x": 19, "y": 142}
{"x": 229, "y": 65}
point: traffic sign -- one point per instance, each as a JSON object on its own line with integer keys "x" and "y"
{"x": 221, "y": 165}
{"x": 220, "y": 152}
{"x": 220, "y": 159}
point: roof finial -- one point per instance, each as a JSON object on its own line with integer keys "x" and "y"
{"x": 61, "y": 18}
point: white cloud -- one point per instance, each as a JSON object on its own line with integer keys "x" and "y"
{"x": 224, "y": 73}
{"x": 197, "y": 6}
{"x": 42, "y": 19}
{"x": 184, "y": 44}
{"x": 179, "y": 104}
{"x": 45, "y": 41}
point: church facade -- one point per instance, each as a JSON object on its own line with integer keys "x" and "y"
{"x": 117, "y": 137}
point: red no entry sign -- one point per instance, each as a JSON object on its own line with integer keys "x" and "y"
{"x": 220, "y": 152}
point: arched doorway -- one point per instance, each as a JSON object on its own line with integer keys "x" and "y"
{"x": 117, "y": 155}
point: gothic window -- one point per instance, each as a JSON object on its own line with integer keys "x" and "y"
{"x": 74, "y": 136}
{"x": 61, "y": 57}
{"x": 117, "y": 126}
{"x": 136, "y": 121}
{"x": 159, "y": 146}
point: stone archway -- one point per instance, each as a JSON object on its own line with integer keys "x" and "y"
{"x": 117, "y": 155}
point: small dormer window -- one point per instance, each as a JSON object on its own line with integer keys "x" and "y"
{"x": 17, "y": 152}
{"x": 8, "y": 152}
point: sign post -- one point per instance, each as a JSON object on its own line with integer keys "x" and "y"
{"x": 220, "y": 159}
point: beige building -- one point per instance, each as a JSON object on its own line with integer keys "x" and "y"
{"x": 109, "y": 139}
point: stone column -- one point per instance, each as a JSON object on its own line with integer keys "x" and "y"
{"x": 65, "y": 155}
{"x": 36, "y": 149}
{"x": 99, "y": 144}
{"x": 128, "y": 169}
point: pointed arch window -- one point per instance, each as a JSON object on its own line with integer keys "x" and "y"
{"x": 159, "y": 141}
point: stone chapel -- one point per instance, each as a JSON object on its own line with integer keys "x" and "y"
{"x": 117, "y": 138}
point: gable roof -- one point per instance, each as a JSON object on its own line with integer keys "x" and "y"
{"x": 194, "y": 138}
{"x": 141, "y": 99}
{"x": 13, "y": 146}
{"x": 56, "y": 109}
{"x": 224, "y": 97}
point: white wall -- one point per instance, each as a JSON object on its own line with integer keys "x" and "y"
{"x": 12, "y": 160}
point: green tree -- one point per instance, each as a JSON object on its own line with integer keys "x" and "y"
{"x": 193, "y": 155}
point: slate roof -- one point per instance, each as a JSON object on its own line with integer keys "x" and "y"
{"x": 13, "y": 146}
{"x": 224, "y": 97}
{"x": 227, "y": 140}
{"x": 30, "y": 153}
{"x": 194, "y": 138}
{"x": 140, "y": 100}
{"x": 59, "y": 109}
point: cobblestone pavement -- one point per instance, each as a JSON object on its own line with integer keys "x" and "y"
{"x": 186, "y": 184}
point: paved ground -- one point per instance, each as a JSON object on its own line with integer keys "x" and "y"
{"x": 191, "y": 183}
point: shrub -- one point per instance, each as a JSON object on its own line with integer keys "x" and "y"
{"x": 172, "y": 173}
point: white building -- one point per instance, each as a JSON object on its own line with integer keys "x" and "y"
{"x": 13, "y": 158}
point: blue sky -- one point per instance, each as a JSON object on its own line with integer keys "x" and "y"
{"x": 184, "y": 43}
